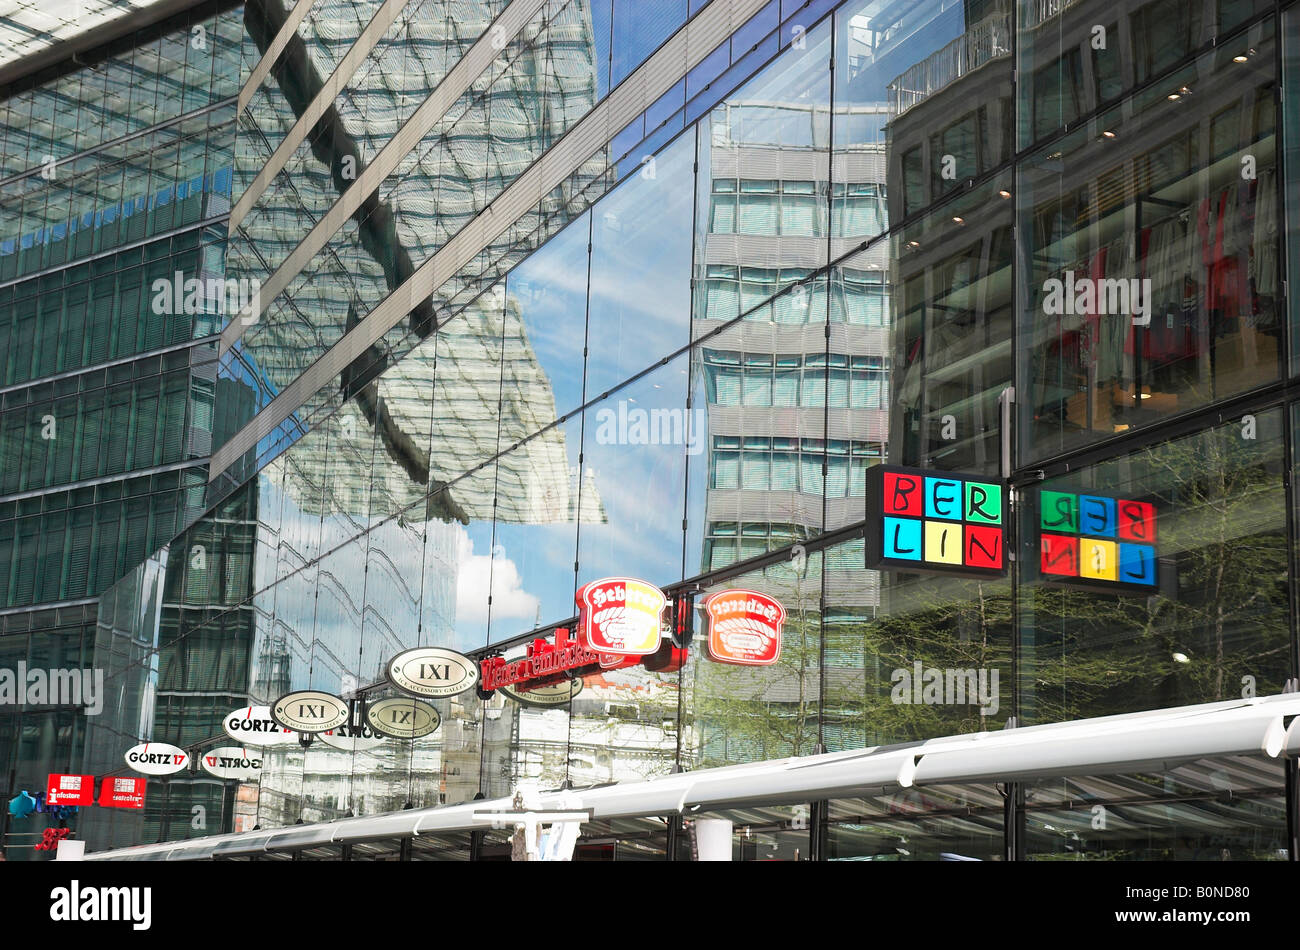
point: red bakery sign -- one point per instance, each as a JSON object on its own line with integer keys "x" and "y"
{"x": 118, "y": 792}
{"x": 620, "y": 615}
{"x": 545, "y": 663}
{"x": 70, "y": 790}
{"x": 541, "y": 660}
{"x": 744, "y": 627}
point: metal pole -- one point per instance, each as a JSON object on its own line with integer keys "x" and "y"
{"x": 1290, "y": 769}
{"x": 817, "y": 827}
{"x": 674, "y": 829}
{"x": 165, "y": 824}
{"x": 4, "y": 810}
{"x": 1013, "y": 822}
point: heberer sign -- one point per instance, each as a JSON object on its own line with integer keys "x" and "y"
{"x": 542, "y": 659}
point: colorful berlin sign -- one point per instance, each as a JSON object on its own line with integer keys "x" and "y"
{"x": 935, "y": 521}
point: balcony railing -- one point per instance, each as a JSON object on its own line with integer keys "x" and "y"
{"x": 1038, "y": 12}
{"x": 985, "y": 41}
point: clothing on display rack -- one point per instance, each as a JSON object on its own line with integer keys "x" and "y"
{"x": 1171, "y": 261}
{"x": 1264, "y": 258}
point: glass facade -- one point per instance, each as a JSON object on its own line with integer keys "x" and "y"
{"x": 115, "y": 183}
{"x": 546, "y": 293}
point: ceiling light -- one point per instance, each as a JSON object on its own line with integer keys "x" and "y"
{"x": 958, "y": 219}
{"x": 1173, "y": 97}
{"x": 1004, "y": 193}
{"x": 1108, "y": 134}
{"x": 1240, "y": 58}
{"x": 1181, "y": 658}
{"x": 913, "y": 243}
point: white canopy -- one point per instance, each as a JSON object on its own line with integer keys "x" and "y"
{"x": 1149, "y": 741}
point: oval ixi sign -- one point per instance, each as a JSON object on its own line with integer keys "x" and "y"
{"x": 309, "y": 711}
{"x": 432, "y": 672}
{"x": 553, "y": 694}
{"x": 402, "y": 718}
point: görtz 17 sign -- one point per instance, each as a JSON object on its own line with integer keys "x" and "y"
{"x": 620, "y": 615}
{"x": 346, "y": 738}
{"x": 744, "y": 627}
{"x": 231, "y": 762}
{"x": 157, "y": 758}
{"x": 253, "y": 726}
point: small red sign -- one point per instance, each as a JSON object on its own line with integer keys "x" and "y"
{"x": 621, "y": 615}
{"x": 744, "y": 627}
{"x": 70, "y": 790}
{"x": 617, "y": 661}
{"x": 124, "y": 792}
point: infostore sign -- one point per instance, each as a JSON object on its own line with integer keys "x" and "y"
{"x": 122, "y": 792}
{"x": 70, "y": 790}
{"x": 1097, "y": 541}
{"x": 620, "y": 615}
{"x": 935, "y": 521}
{"x": 744, "y": 627}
